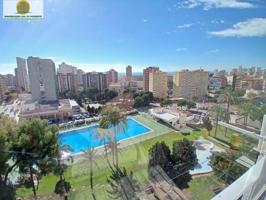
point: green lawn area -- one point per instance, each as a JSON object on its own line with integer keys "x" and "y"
{"x": 134, "y": 158}
{"x": 246, "y": 143}
{"x": 201, "y": 188}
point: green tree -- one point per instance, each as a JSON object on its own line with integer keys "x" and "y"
{"x": 225, "y": 167}
{"x": 138, "y": 102}
{"x": 258, "y": 112}
{"x": 245, "y": 110}
{"x": 91, "y": 154}
{"x": 8, "y": 128}
{"x": 184, "y": 158}
{"x": 143, "y": 99}
{"x": 116, "y": 122}
{"x": 62, "y": 187}
{"x": 229, "y": 97}
{"x": 8, "y": 131}
{"x": 194, "y": 98}
{"x": 239, "y": 92}
{"x": 218, "y": 113}
{"x": 251, "y": 95}
{"x": 160, "y": 155}
{"x": 191, "y": 104}
{"x": 181, "y": 102}
{"x": 36, "y": 144}
{"x": 7, "y": 192}
{"x": 207, "y": 123}
{"x": 122, "y": 185}
{"x": 103, "y": 135}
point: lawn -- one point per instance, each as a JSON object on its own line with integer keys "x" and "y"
{"x": 246, "y": 143}
{"x": 134, "y": 158}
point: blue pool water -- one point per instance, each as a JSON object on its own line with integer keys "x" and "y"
{"x": 82, "y": 139}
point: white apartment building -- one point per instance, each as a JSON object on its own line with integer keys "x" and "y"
{"x": 43, "y": 82}
{"x": 22, "y": 75}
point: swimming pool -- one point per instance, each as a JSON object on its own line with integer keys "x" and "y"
{"x": 203, "y": 166}
{"x": 82, "y": 139}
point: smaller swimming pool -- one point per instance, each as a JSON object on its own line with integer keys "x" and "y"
{"x": 82, "y": 139}
{"x": 203, "y": 166}
{"x": 204, "y": 152}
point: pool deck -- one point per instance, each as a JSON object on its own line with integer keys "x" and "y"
{"x": 156, "y": 129}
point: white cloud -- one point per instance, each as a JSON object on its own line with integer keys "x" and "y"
{"x": 183, "y": 26}
{"x": 181, "y": 49}
{"x": 213, "y": 51}
{"x": 255, "y": 27}
{"x": 208, "y": 4}
{"x": 145, "y": 20}
{"x": 216, "y": 21}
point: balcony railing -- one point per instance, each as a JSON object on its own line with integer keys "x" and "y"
{"x": 252, "y": 184}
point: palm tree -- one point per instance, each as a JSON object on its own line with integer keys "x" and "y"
{"x": 103, "y": 135}
{"x": 122, "y": 184}
{"x": 90, "y": 154}
{"x": 245, "y": 110}
{"x": 116, "y": 122}
{"x": 218, "y": 113}
{"x": 62, "y": 187}
{"x": 229, "y": 97}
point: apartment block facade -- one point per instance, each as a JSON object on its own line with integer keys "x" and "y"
{"x": 112, "y": 76}
{"x": 43, "y": 83}
{"x": 22, "y": 76}
{"x": 128, "y": 73}
{"x": 67, "y": 78}
{"x": 158, "y": 83}
{"x": 146, "y": 76}
{"x": 96, "y": 80}
{"x": 187, "y": 84}
{"x": 67, "y": 82}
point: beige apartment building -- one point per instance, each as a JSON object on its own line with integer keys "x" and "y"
{"x": 146, "y": 76}
{"x": 187, "y": 84}
{"x": 158, "y": 83}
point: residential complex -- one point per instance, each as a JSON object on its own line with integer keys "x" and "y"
{"x": 158, "y": 83}
{"x": 217, "y": 82}
{"x": 80, "y": 73}
{"x": 188, "y": 84}
{"x": 22, "y": 76}
{"x": 67, "y": 77}
{"x": 146, "y": 76}
{"x": 64, "y": 68}
{"x": 112, "y": 76}
{"x": 96, "y": 80}
{"x": 67, "y": 82}
{"x": 43, "y": 83}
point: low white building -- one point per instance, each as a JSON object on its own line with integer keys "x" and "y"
{"x": 176, "y": 118}
{"x": 65, "y": 108}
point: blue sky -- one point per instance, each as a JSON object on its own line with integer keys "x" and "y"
{"x": 171, "y": 34}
